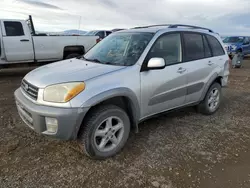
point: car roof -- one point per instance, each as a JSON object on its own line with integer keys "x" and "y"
{"x": 156, "y": 29}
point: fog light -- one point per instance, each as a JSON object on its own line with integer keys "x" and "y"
{"x": 51, "y": 124}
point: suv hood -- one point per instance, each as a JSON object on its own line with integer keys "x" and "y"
{"x": 68, "y": 71}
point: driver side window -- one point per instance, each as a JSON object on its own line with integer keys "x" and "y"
{"x": 167, "y": 47}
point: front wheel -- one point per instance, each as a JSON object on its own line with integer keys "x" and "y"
{"x": 212, "y": 100}
{"x": 105, "y": 132}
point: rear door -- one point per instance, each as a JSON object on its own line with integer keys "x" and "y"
{"x": 198, "y": 56}
{"x": 17, "y": 41}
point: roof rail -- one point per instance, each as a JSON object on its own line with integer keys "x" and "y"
{"x": 189, "y": 26}
{"x": 151, "y": 26}
{"x": 175, "y": 26}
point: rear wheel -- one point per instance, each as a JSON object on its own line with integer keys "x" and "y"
{"x": 240, "y": 58}
{"x": 212, "y": 100}
{"x": 105, "y": 132}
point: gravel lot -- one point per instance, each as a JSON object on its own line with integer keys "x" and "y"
{"x": 180, "y": 149}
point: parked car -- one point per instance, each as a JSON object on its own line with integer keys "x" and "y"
{"x": 237, "y": 44}
{"x": 101, "y": 33}
{"x": 20, "y": 44}
{"x": 125, "y": 79}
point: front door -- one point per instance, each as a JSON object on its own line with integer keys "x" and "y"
{"x": 164, "y": 89}
{"x": 17, "y": 42}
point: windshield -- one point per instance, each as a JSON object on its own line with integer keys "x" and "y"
{"x": 233, "y": 39}
{"x": 119, "y": 49}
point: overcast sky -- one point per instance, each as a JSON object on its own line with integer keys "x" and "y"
{"x": 228, "y": 17}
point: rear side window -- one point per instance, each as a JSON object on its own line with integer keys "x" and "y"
{"x": 215, "y": 45}
{"x": 207, "y": 49}
{"x": 193, "y": 44}
{"x": 13, "y": 28}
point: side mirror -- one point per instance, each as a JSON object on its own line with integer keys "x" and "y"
{"x": 156, "y": 63}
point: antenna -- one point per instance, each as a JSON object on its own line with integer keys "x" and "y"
{"x": 79, "y": 25}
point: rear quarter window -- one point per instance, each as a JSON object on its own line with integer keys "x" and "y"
{"x": 216, "y": 47}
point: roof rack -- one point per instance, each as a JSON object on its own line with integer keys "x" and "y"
{"x": 189, "y": 26}
{"x": 151, "y": 26}
{"x": 175, "y": 26}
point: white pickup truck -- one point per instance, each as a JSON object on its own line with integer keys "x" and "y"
{"x": 19, "y": 43}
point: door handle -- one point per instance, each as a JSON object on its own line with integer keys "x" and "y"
{"x": 210, "y": 63}
{"x": 181, "y": 70}
{"x": 24, "y": 40}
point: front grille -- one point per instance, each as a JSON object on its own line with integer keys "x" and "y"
{"x": 29, "y": 89}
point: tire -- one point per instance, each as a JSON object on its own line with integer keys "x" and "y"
{"x": 204, "y": 107}
{"x": 98, "y": 121}
{"x": 240, "y": 54}
{"x": 73, "y": 55}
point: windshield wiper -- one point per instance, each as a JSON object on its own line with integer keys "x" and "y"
{"x": 93, "y": 60}
{"x": 81, "y": 57}
{"x": 96, "y": 61}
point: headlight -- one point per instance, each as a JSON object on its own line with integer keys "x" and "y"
{"x": 62, "y": 93}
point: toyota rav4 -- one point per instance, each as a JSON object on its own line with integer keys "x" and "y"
{"x": 128, "y": 77}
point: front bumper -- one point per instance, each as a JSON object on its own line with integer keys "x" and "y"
{"x": 69, "y": 119}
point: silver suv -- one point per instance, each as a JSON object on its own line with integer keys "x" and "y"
{"x": 128, "y": 77}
